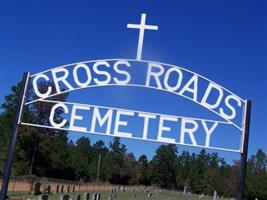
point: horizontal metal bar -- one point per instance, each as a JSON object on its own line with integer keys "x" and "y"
{"x": 136, "y": 85}
{"x": 134, "y": 138}
{"x": 137, "y": 111}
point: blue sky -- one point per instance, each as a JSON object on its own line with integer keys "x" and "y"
{"x": 221, "y": 40}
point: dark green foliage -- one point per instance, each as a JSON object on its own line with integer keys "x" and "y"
{"x": 257, "y": 176}
{"x": 49, "y": 153}
{"x": 143, "y": 170}
{"x": 164, "y": 167}
{"x": 34, "y": 145}
{"x": 121, "y": 164}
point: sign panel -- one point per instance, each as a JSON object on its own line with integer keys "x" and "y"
{"x": 139, "y": 73}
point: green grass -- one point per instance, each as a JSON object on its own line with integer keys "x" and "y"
{"x": 164, "y": 195}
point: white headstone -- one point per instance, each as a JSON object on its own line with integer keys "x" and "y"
{"x": 184, "y": 190}
{"x": 215, "y": 195}
{"x": 110, "y": 196}
{"x": 86, "y": 196}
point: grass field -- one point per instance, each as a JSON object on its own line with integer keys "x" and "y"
{"x": 164, "y": 195}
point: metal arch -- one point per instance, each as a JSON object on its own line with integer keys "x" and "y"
{"x": 141, "y": 61}
{"x": 134, "y": 138}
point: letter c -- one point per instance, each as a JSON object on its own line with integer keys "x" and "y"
{"x": 35, "y": 86}
{"x": 52, "y": 113}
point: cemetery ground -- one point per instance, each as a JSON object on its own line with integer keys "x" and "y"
{"x": 162, "y": 195}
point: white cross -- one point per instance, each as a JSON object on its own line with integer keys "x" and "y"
{"x": 142, "y": 26}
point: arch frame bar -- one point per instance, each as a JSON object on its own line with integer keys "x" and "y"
{"x": 135, "y": 85}
{"x": 137, "y": 111}
{"x": 140, "y": 61}
{"x": 134, "y": 138}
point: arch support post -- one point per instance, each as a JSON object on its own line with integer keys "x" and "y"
{"x": 244, "y": 152}
{"x": 13, "y": 136}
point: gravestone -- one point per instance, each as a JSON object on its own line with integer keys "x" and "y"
{"x": 48, "y": 189}
{"x": 149, "y": 194}
{"x": 184, "y": 193}
{"x": 110, "y": 197}
{"x": 73, "y": 188}
{"x": 62, "y": 188}
{"x": 57, "y": 189}
{"x": 37, "y": 188}
{"x": 96, "y": 196}
{"x": 86, "y": 196}
{"x": 64, "y": 197}
{"x": 93, "y": 196}
{"x": 201, "y": 196}
{"x": 215, "y": 195}
{"x": 78, "y": 197}
{"x": 43, "y": 197}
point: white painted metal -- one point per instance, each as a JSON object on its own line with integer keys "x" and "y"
{"x": 138, "y": 111}
{"x": 23, "y": 98}
{"x": 142, "y": 27}
{"x": 141, "y": 61}
{"x": 135, "y": 138}
{"x": 243, "y": 127}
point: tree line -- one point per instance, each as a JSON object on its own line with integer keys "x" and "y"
{"x": 50, "y": 153}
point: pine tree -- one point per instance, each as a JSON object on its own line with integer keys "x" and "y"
{"x": 164, "y": 166}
